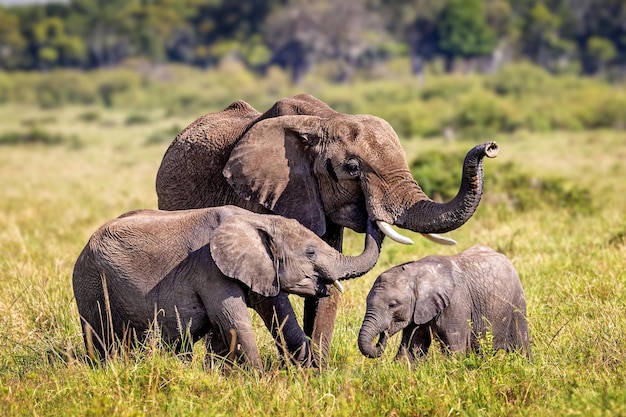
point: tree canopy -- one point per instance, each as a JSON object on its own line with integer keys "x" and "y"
{"x": 586, "y": 36}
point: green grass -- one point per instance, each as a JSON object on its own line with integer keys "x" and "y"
{"x": 571, "y": 263}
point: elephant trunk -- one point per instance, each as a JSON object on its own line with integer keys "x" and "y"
{"x": 355, "y": 266}
{"x": 427, "y": 216}
{"x": 367, "y": 334}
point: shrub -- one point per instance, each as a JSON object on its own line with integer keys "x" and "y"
{"x": 34, "y": 136}
{"x": 524, "y": 192}
{"x": 89, "y": 116}
{"x": 514, "y": 188}
{"x": 520, "y": 79}
{"x": 136, "y": 119}
{"x": 482, "y": 112}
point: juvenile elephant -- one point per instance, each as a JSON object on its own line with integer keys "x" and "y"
{"x": 194, "y": 272}
{"x": 304, "y": 160}
{"x": 455, "y": 298}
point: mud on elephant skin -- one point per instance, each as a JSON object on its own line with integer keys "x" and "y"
{"x": 194, "y": 272}
{"x": 328, "y": 170}
{"x": 454, "y": 298}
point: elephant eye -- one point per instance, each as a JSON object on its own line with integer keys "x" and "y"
{"x": 310, "y": 252}
{"x": 352, "y": 167}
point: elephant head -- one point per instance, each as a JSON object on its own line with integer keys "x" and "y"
{"x": 306, "y": 161}
{"x": 399, "y": 299}
{"x": 271, "y": 253}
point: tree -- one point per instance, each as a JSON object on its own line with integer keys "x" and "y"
{"x": 12, "y": 43}
{"x": 541, "y": 40}
{"x": 463, "y": 32}
{"x": 599, "y": 52}
{"x": 54, "y": 47}
{"x": 304, "y": 33}
{"x": 107, "y": 27}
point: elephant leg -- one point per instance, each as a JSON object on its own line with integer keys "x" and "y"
{"x": 233, "y": 335}
{"x": 280, "y": 319}
{"x": 415, "y": 342}
{"x": 320, "y": 313}
{"x": 217, "y": 351}
{"x": 455, "y": 338}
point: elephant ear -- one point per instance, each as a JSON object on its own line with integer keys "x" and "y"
{"x": 272, "y": 165}
{"x": 244, "y": 252}
{"x": 434, "y": 290}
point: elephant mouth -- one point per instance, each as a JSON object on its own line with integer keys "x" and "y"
{"x": 324, "y": 290}
{"x": 382, "y": 340}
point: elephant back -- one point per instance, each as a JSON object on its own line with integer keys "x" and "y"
{"x": 191, "y": 169}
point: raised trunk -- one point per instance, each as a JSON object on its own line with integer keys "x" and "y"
{"x": 355, "y": 266}
{"x": 366, "y": 339}
{"x": 427, "y": 216}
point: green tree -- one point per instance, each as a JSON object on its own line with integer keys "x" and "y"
{"x": 463, "y": 31}
{"x": 541, "y": 39}
{"x": 414, "y": 22}
{"x": 54, "y": 47}
{"x": 107, "y": 27}
{"x": 12, "y": 43}
{"x": 225, "y": 27}
{"x": 600, "y": 51}
{"x": 308, "y": 32}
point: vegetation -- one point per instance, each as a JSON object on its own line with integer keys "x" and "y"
{"x": 521, "y": 97}
{"x": 586, "y": 36}
{"x": 553, "y": 203}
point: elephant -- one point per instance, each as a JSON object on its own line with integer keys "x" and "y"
{"x": 328, "y": 170}
{"x": 192, "y": 273}
{"x": 457, "y": 299}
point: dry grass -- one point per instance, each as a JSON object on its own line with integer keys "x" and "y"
{"x": 571, "y": 264}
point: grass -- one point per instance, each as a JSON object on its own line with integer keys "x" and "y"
{"x": 571, "y": 264}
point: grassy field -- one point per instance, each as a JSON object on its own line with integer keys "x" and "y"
{"x": 87, "y": 165}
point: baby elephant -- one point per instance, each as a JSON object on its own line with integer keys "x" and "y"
{"x": 195, "y": 272}
{"x": 455, "y": 298}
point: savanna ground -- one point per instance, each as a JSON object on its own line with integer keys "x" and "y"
{"x": 554, "y": 203}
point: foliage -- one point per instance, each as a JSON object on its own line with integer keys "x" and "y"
{"x": 299, "y": 36}
{"x": 463, "y": 30}
{"x": 521, "y": 97}
{"x": 513, "y": 188}
{"x": 571, "y": 266}
{"x": 33, "y": 136}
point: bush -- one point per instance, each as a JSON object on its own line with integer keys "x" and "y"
{"x": 136, "y": 119}
{"x": 484, "y": 113}
{"x": 524, "y": 192}
{"x": 520, "y": 96}
{"x": 520, "y": 79}
{"x": 439, "y": 175}
{"x": 89, "y": 116}
{"x": 34, "y": 136}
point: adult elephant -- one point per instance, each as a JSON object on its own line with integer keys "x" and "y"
{"x": 328, "y": 170}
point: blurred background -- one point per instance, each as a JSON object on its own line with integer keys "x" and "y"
{"x": 430, "y": 67}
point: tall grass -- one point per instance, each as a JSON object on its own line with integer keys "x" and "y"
{"x": 571, "y": 262}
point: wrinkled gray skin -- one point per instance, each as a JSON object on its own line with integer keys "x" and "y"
{"x": 441, "y": 296}
{"x": 303, "y": 160}
{"x": 201, "y": 269}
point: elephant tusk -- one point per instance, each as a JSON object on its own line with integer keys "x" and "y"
{"x": 392, "y": 234}
{"x": 338, "y": 285}
{"x": 442, "y": 240}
